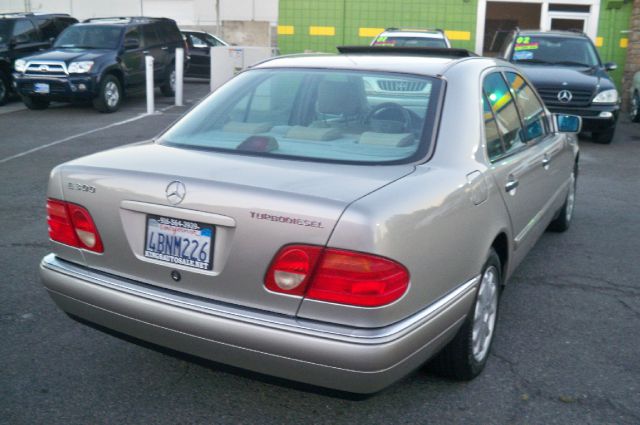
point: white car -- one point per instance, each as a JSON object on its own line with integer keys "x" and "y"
{"x": 634, "y": 110}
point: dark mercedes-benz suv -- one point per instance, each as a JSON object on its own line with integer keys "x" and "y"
{"x": 23, "y": 34}
{"x": 567, "y": 71}
{"x": 100, "y": 60}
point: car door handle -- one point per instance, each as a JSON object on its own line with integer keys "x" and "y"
{"x": 546, "y": 161}
{"x": 511, "y": 184}
{"x": 165, "y": 47}
{"x": 146, "y": 52}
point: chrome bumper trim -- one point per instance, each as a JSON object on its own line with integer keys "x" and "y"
{"x": 314, "y": 328}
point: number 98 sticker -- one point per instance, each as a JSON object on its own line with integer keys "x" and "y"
{"x": 181, "y": 242}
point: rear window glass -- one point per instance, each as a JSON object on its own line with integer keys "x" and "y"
{"x": 399, "y": 41}
{"x": 344, "y": 116}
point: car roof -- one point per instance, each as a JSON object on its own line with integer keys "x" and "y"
{"x": 16, "y": 15}
{"x": 126, "y": 20}
{"x": 398, "y": 63}
{"x": 553, "y": 33}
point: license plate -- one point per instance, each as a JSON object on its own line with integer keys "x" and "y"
{"x": 42, "y": 88}
{"x": 177, "y": 241}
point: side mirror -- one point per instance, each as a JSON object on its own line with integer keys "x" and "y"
{"x": 610, "y": 66}
{"x": 568, "y": 123}
{"x": 131, "y": 44}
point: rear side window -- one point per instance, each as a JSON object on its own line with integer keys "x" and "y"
{"x": 495, "y": 149}
{"x": 132, "y": 33}
{"x": 168, "y": 33}
{"x": 48, "y": 28}
{"x": 504, "y": 109}
{"x": 197, "y": 41}
{"x": 150, "y": 37}
{"x": 24, "y": 31}
{"x": 532, "y": 111}
{"x": 312, "y": 114}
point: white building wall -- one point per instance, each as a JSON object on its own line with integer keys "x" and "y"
{"x": 185, "y": 12}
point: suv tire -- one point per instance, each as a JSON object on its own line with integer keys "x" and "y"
{"x": 604, "y": 137}
{"x": 109, "y": 96}
{"x": 4, "y": 89}
{"x": 634, "y": 111}
{"x": 35, "y": 103}
{"x": 168, "y": 87}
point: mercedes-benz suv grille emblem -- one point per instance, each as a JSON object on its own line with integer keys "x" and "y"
{"x": 565, "y": 96}
{"x": 176, "y": 191}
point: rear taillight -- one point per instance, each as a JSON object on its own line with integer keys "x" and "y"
{"x": 338, "y": 276}
{"x": 72, "y": 225}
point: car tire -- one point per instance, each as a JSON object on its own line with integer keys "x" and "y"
{"x": 4, "y": 89}
{"x": 35, "y": 103}
{"x": 604, "y": 137}
{"x": 634, "y": 110}
{"x": 563, "y": 221}
{"x": 109, "y": 95}
{"x": 168, "y": 87}
{"x": 465, "y": 356}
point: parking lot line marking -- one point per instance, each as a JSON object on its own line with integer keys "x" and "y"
{"x": 67, "y": 139}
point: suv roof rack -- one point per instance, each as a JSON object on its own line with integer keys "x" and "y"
{"x": 126, "y": 19}
{"x": 409, "y": 51}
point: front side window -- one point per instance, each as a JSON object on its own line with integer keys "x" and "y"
{"x": 197, "y": 41}
{"x": 90, "y": 37}
{"x": 151, "y": 39}
{"x": 531, "y": 110}
{"x": 324, "y": 115}
{"x": 6, "y": 28}
{"x": 504, "y": 109}
{"x": 24, "y": 31}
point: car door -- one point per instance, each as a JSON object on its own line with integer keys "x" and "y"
{"x": 515, "y": 165}
{"x": 557, "y": 158}
{"x": 132, "y": 58}
{"x": 153, "y": 47}
{"x": 200, "y": 55}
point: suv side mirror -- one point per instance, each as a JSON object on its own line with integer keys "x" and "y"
{"x": 610, "y": 66}
{"x": 131, "y": 44}
{"x": 568, "y": 123}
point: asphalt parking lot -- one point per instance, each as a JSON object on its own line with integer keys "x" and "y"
{"x": 567, "y": 348}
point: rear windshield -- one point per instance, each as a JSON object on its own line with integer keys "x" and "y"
{"x": 90, "y": 37}
{"x": 402, "y": 41}
{"x": 554, "y": 51}
{"x": 325, "y": 115}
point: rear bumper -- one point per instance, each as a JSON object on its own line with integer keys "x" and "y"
{"x": 339, "y": 357}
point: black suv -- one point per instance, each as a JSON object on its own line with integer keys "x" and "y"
{"x": 567, "y": 71}
{"x": 101, "y": 60}
{"x": 22, "y": 34}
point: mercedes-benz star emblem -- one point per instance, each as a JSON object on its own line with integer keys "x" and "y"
{"x": 176, "y": 192}
{"x": 43, "y": 68}
{"x": 565, "y": 96}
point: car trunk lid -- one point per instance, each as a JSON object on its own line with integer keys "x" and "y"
{"x": 253, "y": 205}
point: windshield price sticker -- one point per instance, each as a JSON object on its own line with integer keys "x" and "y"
{"x": 182, "y": 242}
{"x": 525, "y": 43}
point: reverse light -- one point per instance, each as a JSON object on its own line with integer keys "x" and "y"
{"x": 337, "y": 276}
{"x": 80, "y": 67}
{"x": 606, "y": 96}
{"x": 72, "y": 225}
{"x": 20, "y": 65}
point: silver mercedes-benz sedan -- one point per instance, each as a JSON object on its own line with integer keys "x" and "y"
{"x": 331, "y": 219}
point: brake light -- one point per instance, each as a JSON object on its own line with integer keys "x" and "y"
{"x": 338, "y": 276}
{"x": 72, "y": 225}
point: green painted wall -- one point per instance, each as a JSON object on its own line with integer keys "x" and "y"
{"x": 612, "y": 31}
{"x": 349, "y": 16}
